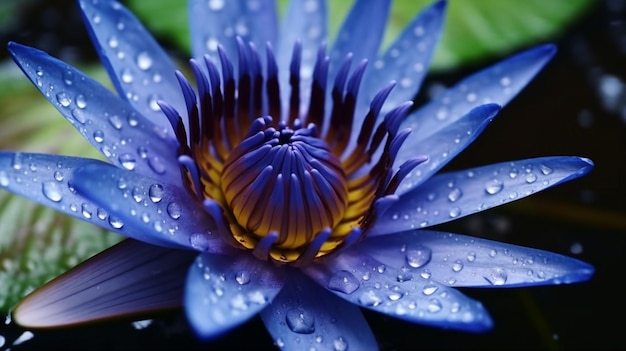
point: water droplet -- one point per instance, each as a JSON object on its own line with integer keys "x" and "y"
{"x": 79, "y": 116}
{"x": 127, "y": 76}
{"x": 545, "y": 169}
{"x": 144, "y": 61}
{"x": 513, "y": 173}
{"x": 493, "y": 186}
{"x": 242, "y": 277}
{"x": 142, "y": 152}
{"x": 471, "y": 257}
{"x": 174, "y": 210}
{"x": 340, "y": 344}
{"x": 417, "y": 256}
{"x": 86, "y": 211}
{"x": 434, "y": 306}
{"x": 58, "y": 176}
{"x": 63, "y": 99}
{"x": 52, "y": 191}
{"x": 4, "y": 179}
{"x": 299, "y": 321}
{"x": 369, "y": 298}
{"x": 127, "y": 161}
{"x": 505, "y": 81}
{"x": 430, "y": 289}
{"x": 343, "y": 281}
{"x": 457, "y": 266}
{"x": 216, "y": 5}
{"x": 455, "y": 194}
{"x": 98, "y": 136}
{"x": 155, "y": 192}
{"x": 493, "y": 253}
{"x": 199, "y": 241}
{"x": 116, "y": 121}
{"x": 455, "y": 212}
{"x": 115, "y": 222}
{"x": 531, "y": 178}
{"x": 497, "y": 276}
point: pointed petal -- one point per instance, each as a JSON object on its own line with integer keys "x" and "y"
{"x": 364, "y": 281}
{"x": 140, "y": 69}
{"x": 444, "y": 145}
{"x": 147, "y": 209}
{"x": 305, "y": 21}
{"x": 223, "y": 291}
{"x": 407, "y": 60}
{"x": 496, "y": 84}
{"x": 128, "y": 279}
{"x": 361, "y": 32}
{"x": 124, "y": 136}
{"x": 453, "y": 195}
{"x": 304, "y": 317}
{"x": 214, "y": 23}
{"x": 50, "y": 181}
{"x": 463, "y": 261}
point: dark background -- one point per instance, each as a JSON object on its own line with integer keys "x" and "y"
{"x": 576, "y": 106}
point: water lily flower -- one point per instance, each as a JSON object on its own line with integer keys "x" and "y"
{"x": 293, "y": 179}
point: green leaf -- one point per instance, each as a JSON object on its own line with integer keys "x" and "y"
{"x": 38, "y": 243}
{"x": 474, "y": 30}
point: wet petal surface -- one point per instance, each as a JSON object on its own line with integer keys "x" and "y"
{"x": 219, "y": 22}
{"x": 123, "y": 135}
{"x": 140, "y": 69}
{"x": 223, "y": 291}
{"x": 452, "y": 195}
{"x": 129, "y": 279}
{"x": 463, "y": 261}
{"x": 305, "y": 316}
{"x": 147, "y": 209}
{"x": 367, "y": 282}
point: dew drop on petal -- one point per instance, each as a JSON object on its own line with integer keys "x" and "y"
{"x": 155, "y": 192}
{"x": 127, "y": 161}
{"x": 199, "y": 241}
{"x": 494, "y": 186}
{"x": 340, "y": 344}
{"x": 52, "y": 191}
{"x": 430, "y": 289}
{"x": 434, "y": 306}
{"x": 455, "y": 194}
{"x": 299, "y": 321}
{"x": 344, "y": 282}
{"x": 174, "y": 210}
{"x": 63, "y": 99}
{"x": 417, "y": 256}
{"x": 98, "y": 136}
{"x": 144, "y": 61}
{"x": 115, "y": 222}
{"x": 242, "y": 277}
{"x": 497, "y": 276}
{"x": 369, "y": 298}
{"x": 4, "y": 179}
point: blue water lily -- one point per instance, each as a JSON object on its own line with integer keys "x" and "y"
{"x": 280, "y": 175}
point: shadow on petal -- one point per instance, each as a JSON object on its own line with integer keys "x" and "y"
{"x": 130, "y": 279}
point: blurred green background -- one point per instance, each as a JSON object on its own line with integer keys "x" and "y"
{"x": 576, "y": 106}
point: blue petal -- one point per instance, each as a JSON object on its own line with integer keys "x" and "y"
{"x": 114, "y": 127}
{"x": 361, "y": 32}
{"x": 50, "y": 181}
{"x": 147, "y": 209}
{"x": 464, "y": 261}
{"x": 128, "y": 279}
{"x": 223, "y": 291}
{"x": 219, "y": 22}
{"x": 305, "y": 21}
{"x": 497, "y": 84}
{"x": 449, "y": 196}
{"x": 444, "y": 145}
{"x": 407, "y": 60}
{"x": 357, "y": 277}
{"x": 141, "y": 71}
{"x": 305, "y": 317}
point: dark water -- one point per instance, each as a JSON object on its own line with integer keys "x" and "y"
{"x": 577, "y": 106}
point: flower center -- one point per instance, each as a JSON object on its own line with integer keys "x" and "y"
{"x": 287, "y": 192}
{"x": 284, "y": 181}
